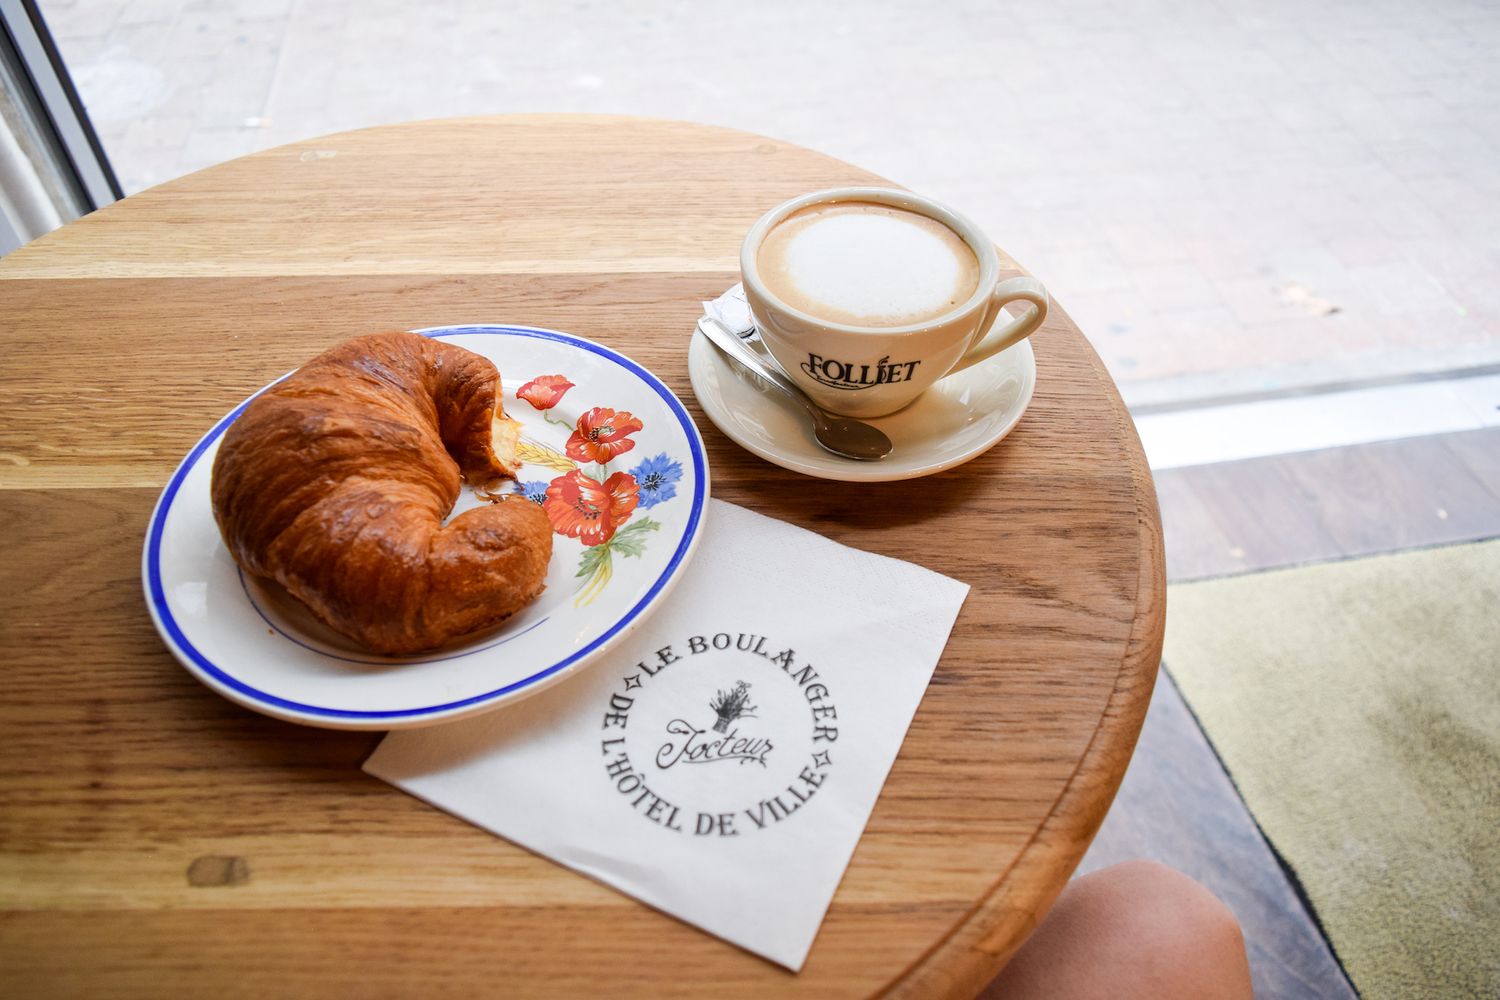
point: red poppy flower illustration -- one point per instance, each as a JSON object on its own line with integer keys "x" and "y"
{"x": 545, "y": 391}
{"x": 602, "y": 434}
{"x": 586, "y": 509}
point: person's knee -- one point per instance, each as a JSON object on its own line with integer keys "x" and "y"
{"x": 1138, "y": 929}
{"x": 1172, "y": 916}
{"x": 1166, "y": 904}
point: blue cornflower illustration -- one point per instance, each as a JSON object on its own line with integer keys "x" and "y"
{"x": 657, "y": 478}
{"x": 535, "y": 491}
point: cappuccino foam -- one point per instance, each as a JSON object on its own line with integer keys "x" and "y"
{"x": 867, "y": 264}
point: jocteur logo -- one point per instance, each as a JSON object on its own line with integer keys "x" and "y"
{"x": 719, "y": 698}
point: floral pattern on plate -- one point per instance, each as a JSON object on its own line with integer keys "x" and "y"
{"x": 603, "y": 508}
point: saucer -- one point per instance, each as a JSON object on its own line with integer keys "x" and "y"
{"x": 959, "y": 418}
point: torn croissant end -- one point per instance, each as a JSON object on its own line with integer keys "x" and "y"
{"x": 335, "y": 483}
{"x": 505, "y": 442}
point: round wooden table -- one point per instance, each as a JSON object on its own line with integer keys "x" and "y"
{"x": 156, "y": 840}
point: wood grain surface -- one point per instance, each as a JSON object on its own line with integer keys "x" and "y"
{"x": 156, "y": 840}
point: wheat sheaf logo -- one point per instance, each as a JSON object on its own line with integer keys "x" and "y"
{"x": 792, "y": 746}
{"x": 732, "y": 706}
{"x": 688, "y": 745}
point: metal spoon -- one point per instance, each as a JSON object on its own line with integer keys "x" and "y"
{"x": 843, "y": 436}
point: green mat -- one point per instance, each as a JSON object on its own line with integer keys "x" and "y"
{"x": 1357, "y": 707}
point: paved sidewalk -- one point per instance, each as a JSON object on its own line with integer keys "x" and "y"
{"x": 1228, "y": 198}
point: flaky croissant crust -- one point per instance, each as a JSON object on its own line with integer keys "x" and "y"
{"x": 335, "y": 483}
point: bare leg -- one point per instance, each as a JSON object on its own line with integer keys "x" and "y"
{"x": 1138, "y": 929}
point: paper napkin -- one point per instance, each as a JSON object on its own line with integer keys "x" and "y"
{"x": 720, "y": 764}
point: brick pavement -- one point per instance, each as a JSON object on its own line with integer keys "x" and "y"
{"x": 1197, "y": 183}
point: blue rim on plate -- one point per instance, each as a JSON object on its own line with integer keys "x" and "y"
{"x": 207, "y": 670}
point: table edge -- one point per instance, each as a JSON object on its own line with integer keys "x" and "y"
{"x": 965, "y": 961}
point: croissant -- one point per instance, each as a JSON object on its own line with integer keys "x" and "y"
{"x": 335, "y": 482}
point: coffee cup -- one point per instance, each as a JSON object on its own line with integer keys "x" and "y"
{"x": 868, "y": 296}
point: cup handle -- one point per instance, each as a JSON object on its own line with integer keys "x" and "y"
{"x": 1020, "y": 289}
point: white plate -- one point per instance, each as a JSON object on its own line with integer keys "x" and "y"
{"x": 961, "y": 417}
{"x": 254, "y": 644}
